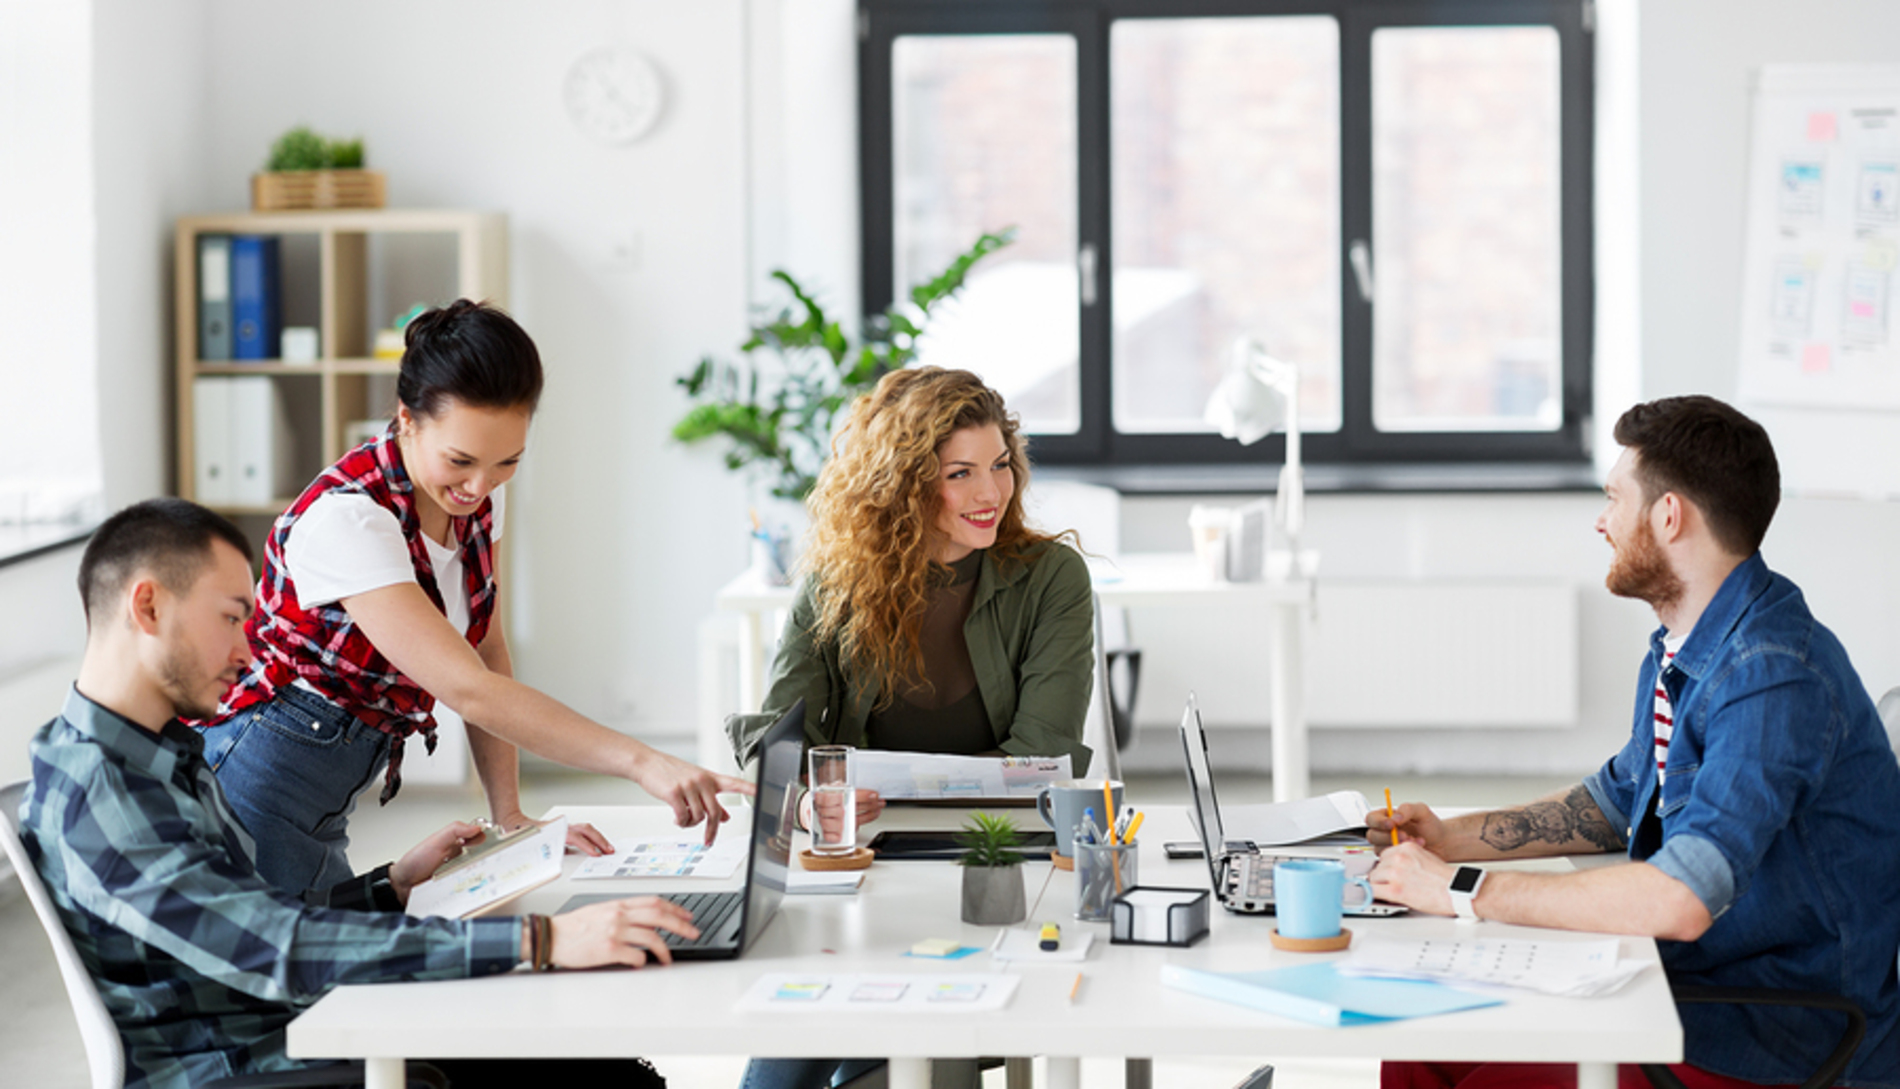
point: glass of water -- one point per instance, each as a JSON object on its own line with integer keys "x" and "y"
{"x": 834, "y": 804}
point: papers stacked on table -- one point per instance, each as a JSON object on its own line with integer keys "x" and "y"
{"x": 668, "y": 858}
{"x": 914, "y": 775}
{"x": 1576, "y": 969}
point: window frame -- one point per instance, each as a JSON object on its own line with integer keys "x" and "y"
{"x": 1090, "y": 22}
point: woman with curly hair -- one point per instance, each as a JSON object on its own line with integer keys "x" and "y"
{"x": 931, "y": 617}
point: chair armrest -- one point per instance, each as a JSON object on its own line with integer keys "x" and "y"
{"x": 1663, "y": 1078}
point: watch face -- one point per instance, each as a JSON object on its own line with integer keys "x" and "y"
{"x": 1466, "y": 879}
{"x": 613, "y": 94}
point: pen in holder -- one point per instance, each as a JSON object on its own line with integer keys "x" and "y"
{"x": 1103, "y": 871}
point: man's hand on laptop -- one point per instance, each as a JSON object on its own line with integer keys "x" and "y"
{"x": 619, "y": 932}
{"x": 1416, "y": 823}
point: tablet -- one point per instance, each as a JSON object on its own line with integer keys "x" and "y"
{"x": 947, "y": 846}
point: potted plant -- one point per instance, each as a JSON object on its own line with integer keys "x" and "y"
{"x": 777, "y": 408}
{"x": 992, "y": 872}
{"x": 308, "y": 171}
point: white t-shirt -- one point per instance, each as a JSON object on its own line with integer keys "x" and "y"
{"x": 347, "y": 544}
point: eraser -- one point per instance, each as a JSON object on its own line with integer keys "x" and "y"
{"x": 935, "y": 947}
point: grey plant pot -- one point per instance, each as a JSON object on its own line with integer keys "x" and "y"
{"x": 993, "y": 895}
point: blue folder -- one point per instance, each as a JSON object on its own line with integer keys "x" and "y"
{"x": 1318, "y": 994}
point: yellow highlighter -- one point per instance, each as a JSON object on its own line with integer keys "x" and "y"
{"x": 1388, "y": 816}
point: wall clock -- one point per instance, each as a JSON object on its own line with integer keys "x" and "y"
{"x": 613, "y": 94}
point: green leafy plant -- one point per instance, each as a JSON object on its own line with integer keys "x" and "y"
{"x": 990, "y": 839}
{"x": 302, "y": 149}
{"x": 777, "y": 421}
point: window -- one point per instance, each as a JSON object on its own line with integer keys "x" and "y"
{"x": 1393, "y": 196}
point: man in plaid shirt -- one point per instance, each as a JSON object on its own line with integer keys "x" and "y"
{"x": 201, "y": 962}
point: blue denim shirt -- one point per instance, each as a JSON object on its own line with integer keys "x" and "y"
{"x": 1778, "y": 811}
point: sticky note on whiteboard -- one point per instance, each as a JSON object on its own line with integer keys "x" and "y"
{"x": 1821, "y": 126}
{"x": 1814, "y": 359}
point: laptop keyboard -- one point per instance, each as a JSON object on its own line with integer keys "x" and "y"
{"x": 711, "y": 912}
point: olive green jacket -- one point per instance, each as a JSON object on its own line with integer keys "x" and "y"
{"x": 1031, "y": 634}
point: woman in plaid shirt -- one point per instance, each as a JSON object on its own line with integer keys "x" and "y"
{"x": 378, "y": 598}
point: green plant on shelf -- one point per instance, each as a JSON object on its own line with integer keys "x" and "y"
{"x": 302, "y": 149}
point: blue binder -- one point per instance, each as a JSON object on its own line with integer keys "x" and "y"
{"x": 257, "y": 312}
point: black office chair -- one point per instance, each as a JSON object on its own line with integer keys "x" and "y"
{"x": 1663, "y": 1078}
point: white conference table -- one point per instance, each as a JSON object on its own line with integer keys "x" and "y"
{"x": 1122, "y": 1009}
{"x": 1134, "y": 579}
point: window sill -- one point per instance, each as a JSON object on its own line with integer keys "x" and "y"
{"x": 1412, "y": 478}
{"x": 23, "y": 542}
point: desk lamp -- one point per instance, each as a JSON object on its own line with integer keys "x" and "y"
{"x": 1258, "y": 395}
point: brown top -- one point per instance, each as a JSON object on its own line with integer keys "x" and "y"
{"x": 943, "y": 711}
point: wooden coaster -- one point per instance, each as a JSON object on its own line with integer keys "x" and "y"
{"x": 1062, "y": 862}
{"x": 1313, "y": 945}
{"x": 858, "y": 859}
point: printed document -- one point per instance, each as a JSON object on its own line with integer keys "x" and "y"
{"x": 669, "y": 858}
{"x": 915, "y": 775}
{"x": 459, "y": 890}
{"x": 1575, "y": 969}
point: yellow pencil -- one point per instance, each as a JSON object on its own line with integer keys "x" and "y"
{"x": 1388, "y": 816}
{"x": 1074, "y": 987}
{"x": 1108, "y": 807}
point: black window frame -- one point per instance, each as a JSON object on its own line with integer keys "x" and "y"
{"x": 1096, "y": 443}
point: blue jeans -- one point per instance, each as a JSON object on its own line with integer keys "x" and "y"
{"x": 292, "y": 769}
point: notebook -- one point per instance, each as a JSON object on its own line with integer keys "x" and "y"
{"x": 1241, "y": 873}
{"x": 729, "y": 922}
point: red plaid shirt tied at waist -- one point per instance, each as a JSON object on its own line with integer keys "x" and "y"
{"x": 322, "y": 646}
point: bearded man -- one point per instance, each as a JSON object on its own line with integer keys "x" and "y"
{"x": 1754, "y": 799}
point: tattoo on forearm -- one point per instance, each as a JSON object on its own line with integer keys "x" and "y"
{"x": 1574, "y": 818}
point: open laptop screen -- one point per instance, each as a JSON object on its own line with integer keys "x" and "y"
{"x": 780, "y": 753}
{"x": 1200, "y": 776}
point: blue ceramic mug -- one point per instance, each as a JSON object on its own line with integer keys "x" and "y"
{"x": 1309, "y": 894}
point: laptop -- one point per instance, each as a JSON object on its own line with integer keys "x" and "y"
{"x": 730, "y": 922}
{"x": 1241, "y": 873}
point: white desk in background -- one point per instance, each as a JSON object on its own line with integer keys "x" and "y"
{"x": 1122, "y": 1009}
{"x": 1131, "y": 580}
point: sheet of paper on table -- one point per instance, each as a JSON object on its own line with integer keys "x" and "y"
{"x": 919, "y": 775}
{"x": 1575, "y": 969}
{"x": 1025, "y": 944}
{"x": 668, "y": 858}
{"x": 1330, "y": 819}
{"x": 527, "y": 862}
{"x": 784, "y": 992}
{"x": 824, "y": 882}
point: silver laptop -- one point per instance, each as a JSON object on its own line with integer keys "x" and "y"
{"x": 1241, "y": 873}
{"x": 729, "y": 922}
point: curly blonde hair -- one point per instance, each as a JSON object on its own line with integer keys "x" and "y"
{"x": 870, "y": 556}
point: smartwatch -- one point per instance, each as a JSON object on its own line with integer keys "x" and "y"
{"x": 1464, "y": 889}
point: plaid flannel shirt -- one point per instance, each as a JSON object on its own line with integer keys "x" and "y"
{"x": 321, "y": 645}
{"x": 201, "y": 962}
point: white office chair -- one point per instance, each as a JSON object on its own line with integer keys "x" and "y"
{"x": 104, "y": 1054}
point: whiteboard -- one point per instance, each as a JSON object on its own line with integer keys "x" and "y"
{"x": 1822, "y": 241}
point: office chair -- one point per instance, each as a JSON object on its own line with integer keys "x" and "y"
{"x": 105, "y": 1054}
{"x": 1663, "y": 1078}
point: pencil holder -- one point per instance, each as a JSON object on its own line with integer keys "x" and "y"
{"x": 1103, "y": 871}
{"x": 1158, "y": 916}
